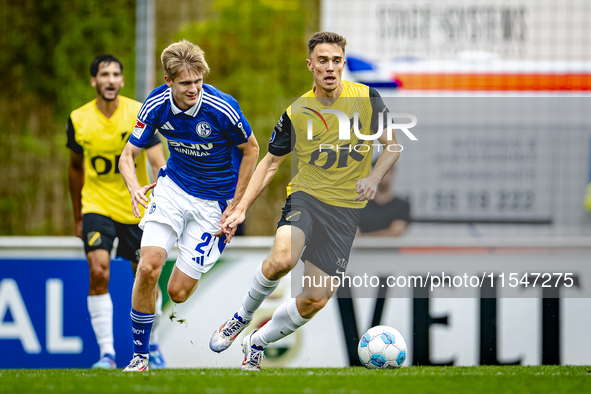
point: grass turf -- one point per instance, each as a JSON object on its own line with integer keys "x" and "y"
{"x": 411, "y": 380}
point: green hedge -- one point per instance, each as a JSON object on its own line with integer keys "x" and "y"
{"x": 45, "y": 52}
{"x": 256, "y": 51}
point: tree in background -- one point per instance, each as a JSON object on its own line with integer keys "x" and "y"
{"x": 256, "y": 49}
{"x": 257, "y": 52}
{"x": 45, "y": 52}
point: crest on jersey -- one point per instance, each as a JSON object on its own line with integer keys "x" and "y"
{"x": 203, "y": 129}
{"x": 152, "y": 207}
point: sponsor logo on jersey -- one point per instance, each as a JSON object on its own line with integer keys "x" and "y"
{"x": 190, "y": 148}
{"x": 203, "y": 129}
{"x": 94, "y": 238}
{"x": 138, "y": 129}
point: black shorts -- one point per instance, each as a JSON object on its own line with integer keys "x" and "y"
{"x": 99, "y": 232}
{"x": 329, "y": 230}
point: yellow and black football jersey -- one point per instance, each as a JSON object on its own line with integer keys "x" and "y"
{"x": 329, "y": 167}
{"x": 102, "y": 141}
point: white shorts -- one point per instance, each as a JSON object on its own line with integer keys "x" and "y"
{"x": 174, "y": 215}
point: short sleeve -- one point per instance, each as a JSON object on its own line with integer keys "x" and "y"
{"x": 142, "y": 132}
{"x": 378, "y": 107}
{"x": 281, "y": 142}
{"x": 239, "y": 132}
{"x": 154, "y": 141}
{"x": 147, "y": 121}
{"x": 71, "y": 135}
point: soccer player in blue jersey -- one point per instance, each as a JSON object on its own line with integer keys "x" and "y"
{"x": 198, "y": 188}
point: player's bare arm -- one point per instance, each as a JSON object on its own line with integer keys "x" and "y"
{"x": 127, "y": 169}
{"x": 250, "y": 155}
{"x": 261, "y": 178}
{"x": 76, "y": 178}
{"x": 156, "y": 157}
{"x": 367, "y": 187}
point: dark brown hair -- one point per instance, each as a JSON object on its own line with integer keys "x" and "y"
{"x": 107, "y": 59}
{"x": 326, "y": 37}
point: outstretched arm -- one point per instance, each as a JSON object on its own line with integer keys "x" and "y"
{"x": 127, "y": 169}
{"x": 261, "y": 178}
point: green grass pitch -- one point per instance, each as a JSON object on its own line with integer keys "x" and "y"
{"x": 411, "y": 380}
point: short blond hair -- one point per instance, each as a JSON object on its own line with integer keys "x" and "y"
{"x": 184, "y": 56}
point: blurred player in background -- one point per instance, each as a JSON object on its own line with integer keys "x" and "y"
{"x": 97, "y": 133}
{"x": 322, "y": 211}
{"x": 386, "y": 215}
{"x": 199, "y": 187}
{"x": 587, "y": 201}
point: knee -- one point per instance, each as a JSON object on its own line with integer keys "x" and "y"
{"x": 99, "y": 271}
{"x": 99, "y": 276}
{"x": 148, "y": 268}
{"x": 279, "y": 264}
{"x": 314, "y": 304}
{"x": 178, "y": 295}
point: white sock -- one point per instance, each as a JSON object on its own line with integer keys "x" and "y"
{"x": 100, "y": 308}
{"x": 157, "y": 315}
{"x": 260, "y": 288}
{"x": 286, "y": 320}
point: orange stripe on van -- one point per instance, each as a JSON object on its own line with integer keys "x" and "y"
{"x": 519, "y": 82}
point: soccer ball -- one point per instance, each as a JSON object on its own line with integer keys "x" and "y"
{"x": 382, "y": 347}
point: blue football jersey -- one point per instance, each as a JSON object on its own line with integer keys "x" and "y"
{"x": 202, "y": 140}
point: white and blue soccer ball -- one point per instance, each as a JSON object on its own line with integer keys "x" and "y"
{"x": 382, "y": 347}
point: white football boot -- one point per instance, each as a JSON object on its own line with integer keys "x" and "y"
{"x": 137, "y": 364}
{"x": 224, "y": 336}
{"x": 253, "y": 355}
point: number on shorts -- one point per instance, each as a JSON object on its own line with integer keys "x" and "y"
{"x": 206, "y": 237}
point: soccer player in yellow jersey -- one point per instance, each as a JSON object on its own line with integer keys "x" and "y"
{"x": 332, "y": 184}
{"x": 97, "y": 133}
